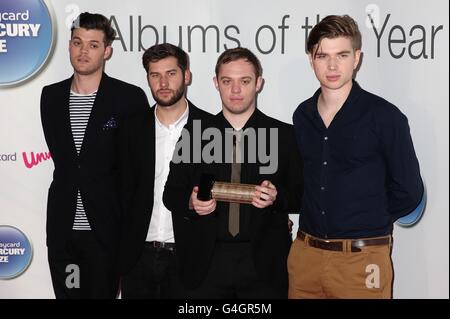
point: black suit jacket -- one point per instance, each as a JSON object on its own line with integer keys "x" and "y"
{"x": 137, "y": 144}
{"x": 268, "y": 228}
{"x": 95, "y": 171}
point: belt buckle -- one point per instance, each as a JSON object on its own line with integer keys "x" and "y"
{"x": 163, "y": 245}
{"x": 156, "y": 244}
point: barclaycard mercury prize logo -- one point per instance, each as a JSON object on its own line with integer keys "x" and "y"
{"x": 15, "y": 252}
{"x": 26, "y": 39}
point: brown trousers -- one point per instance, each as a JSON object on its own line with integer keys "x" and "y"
{"x": 320, "y": 273}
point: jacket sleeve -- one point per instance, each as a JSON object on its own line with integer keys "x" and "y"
{"x": 133, "y": 213}
{"x": 177, "y": 190}
{"x": 180, "y": 181}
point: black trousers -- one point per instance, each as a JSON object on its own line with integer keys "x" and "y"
{"x": 155, "y": 276}
{"x": 83, "y": 269}
{"x": 232, "y": 275}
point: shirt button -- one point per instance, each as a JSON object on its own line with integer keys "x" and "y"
{"x": 322, "y": 188}
{"x": 326, "y": 138}
{"x": 325, "y": 163}
{"x": 323, "y": 212}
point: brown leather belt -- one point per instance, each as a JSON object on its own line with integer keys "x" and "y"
{"x": 339, "y": 245}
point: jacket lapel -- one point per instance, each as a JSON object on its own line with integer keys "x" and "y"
{"x": 101, "y": 109}
{"x": 62, "y": 105}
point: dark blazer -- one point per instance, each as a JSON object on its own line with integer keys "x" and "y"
{"x": 268, "y": 232}
{"x": 137, "y": 152}
{"x": 95, "y": 171}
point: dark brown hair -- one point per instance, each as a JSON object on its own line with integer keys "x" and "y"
{"x": 238, "y": 54}
{"x": 95, "y": 21}
{"x": 165, "y": 50}
{"x": 334, "y": 26}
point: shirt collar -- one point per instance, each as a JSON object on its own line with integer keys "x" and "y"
{"x": 179, "y": 122}
{"x": 354, "y": 93}
{"x": 251, "y": 122}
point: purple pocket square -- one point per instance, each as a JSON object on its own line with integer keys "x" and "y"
{"x": 110, "y": 124}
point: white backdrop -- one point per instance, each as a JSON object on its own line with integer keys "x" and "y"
{"x": 416, "y": 82}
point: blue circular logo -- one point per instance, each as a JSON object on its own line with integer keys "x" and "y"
{"x": 413, "y": 218}
{"x": 26, "y": 39}
{"x": 15, "y": 252}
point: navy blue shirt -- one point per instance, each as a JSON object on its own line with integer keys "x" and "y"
{"x": 361, "y": 173}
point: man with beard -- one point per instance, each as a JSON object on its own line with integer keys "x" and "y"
{"x": 147, "y": 145}
{"x": 81, "y": 117}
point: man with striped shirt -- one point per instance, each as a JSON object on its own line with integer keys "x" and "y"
{"x": 81, "y": 117}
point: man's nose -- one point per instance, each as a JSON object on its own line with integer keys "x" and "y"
{"x": 332, "y": 63}
{"x": 163, "y": 81}
{"x": 236, "y": 88}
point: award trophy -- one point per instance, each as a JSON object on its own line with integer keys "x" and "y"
{"x": 226, "y": 192}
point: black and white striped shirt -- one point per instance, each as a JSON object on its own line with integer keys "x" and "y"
{"x": 80, "y": 107}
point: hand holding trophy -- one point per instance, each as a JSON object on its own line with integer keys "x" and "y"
{"x": 209, "y": 188}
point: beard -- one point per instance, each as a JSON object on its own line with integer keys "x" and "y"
{"x": 178, "y": 94}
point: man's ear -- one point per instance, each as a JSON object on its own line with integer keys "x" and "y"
{"x": 259, "y": 83}
{"x": 108, "y": 52}
{"x": 187, "y": 77}
{"x": 357, "y": 57}
{"x": 216, "y": 83}
{"x": 310, "y": 58}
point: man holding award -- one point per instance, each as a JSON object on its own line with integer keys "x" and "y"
{"x": 230, "y": 209}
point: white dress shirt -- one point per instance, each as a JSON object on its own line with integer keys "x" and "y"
{"x": 166, "y": 137}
